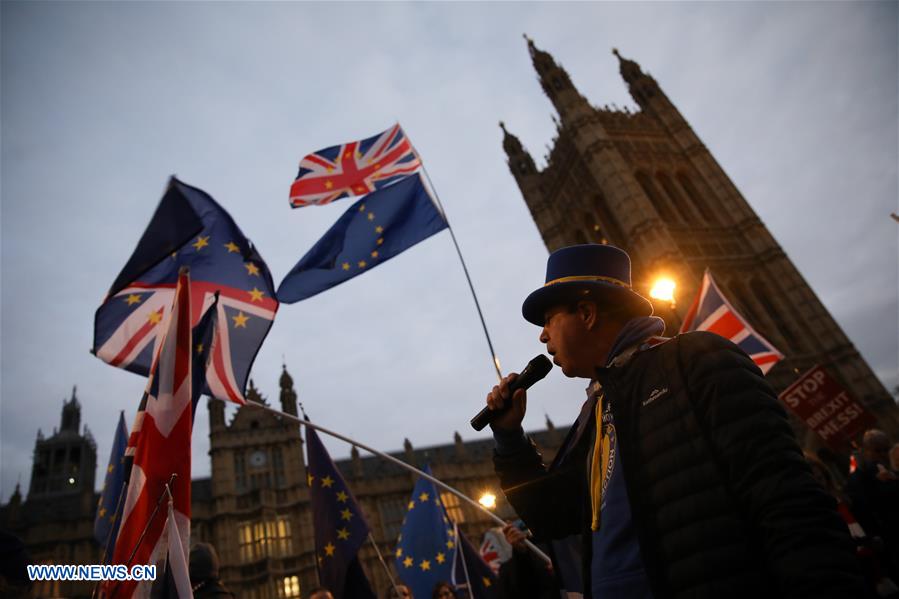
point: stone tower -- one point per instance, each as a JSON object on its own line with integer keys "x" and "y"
{"x": 644, "y": 181}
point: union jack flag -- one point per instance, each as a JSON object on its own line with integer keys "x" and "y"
{"x": 712, "y": 312}
{"x": 190, "y": 228}
{"x": 354, "y": 169}
{"x": 159, "y": 448}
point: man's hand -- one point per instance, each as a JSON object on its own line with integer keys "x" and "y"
{"x": 499, "y": 397}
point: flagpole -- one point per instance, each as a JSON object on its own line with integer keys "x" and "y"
{"x": 383, "y": 563}
{"x": 474, "y": 295}
{"x": 106, "y": 554}
{"x": 401, "y": 464}
{"x": 460, "y": 549}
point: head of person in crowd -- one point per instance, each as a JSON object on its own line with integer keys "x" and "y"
{"x": 876, "y": 448}
{"x": 204, "y": 563}
{"x": 399, "y": 591}
{"x": 320, "y": 593}
{"x": 583, "y": 305}
{"x": 443, "y": 590}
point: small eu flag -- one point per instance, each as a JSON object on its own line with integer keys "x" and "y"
{"x": 426, "y": 548}
{"x": 376, "y": 228}
{"x": 340, "y": 526}
{"x": 106, "y": 522}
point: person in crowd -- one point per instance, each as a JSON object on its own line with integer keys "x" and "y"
{"x": 399, "y": 591}
{"x": 682, "y": 472}
{"x": 869, "y": 549}
{"x": 320, "y": 593}
{"x": 203, "y": 569}
{"x": 873, "y": 490}
{"x": 443, "y": 590}
{"x": 524, "y": 575}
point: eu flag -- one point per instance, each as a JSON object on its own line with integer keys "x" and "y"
{"x": 340, "y": 526}
{"x": 190, "y": 229}
{"x": 471, "y": 573}
{"x": 426, "y": 548}
{"x": 106, "y": 522}
{"x": 375, "y": 229}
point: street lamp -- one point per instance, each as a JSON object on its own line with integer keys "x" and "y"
{"x": 663, "y": 289}
{"x": 488, "y": 500}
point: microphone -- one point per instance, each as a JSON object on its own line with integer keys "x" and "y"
{"x": 536, "y": 369}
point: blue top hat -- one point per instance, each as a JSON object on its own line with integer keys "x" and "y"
{"x": 601, "y": 273}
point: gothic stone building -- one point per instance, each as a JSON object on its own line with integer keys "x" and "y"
{"x": 645, "y": 182}
{"x": 255, "y": 507}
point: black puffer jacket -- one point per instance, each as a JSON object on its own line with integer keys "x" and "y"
{"x": 723, "y": 502}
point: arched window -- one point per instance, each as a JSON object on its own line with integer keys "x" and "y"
{"x": 763, "y": 296}
{"x": 710, "y": 215}
{"x": 660, "y": 203}
{"x": 677, "y": 198}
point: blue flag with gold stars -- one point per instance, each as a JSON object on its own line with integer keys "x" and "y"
{"x": 111, "y": 496}
{"x": 190, "y": 229}
{"x": 426, "y": 548}
{"x": 340, "y": 526}
{"x": 376, "y": 228}
{"x": 472, "y": 577}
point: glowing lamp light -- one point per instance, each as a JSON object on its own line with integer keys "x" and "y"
{"x": 488, "y": 500}
{"x": 71, "y": 481}
{"x": 663, "y": 289}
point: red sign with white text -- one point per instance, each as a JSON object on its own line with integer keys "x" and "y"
{"x": 827, "y": 408}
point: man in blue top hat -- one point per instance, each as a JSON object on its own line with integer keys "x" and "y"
{"x": 681, "y": 473}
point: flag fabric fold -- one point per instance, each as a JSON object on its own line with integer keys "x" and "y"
{"x": 711, "y": 311}
{"x": 160, "y": 449}
{"x": 174, "y": 581}
{"x": 340, "y": 525}
{"x": 354, "y": 168}
{"x": 471, "y": 574}
{"x": 127, "y": 325}
{"x": 111, "y": 496}
{"x": 376, "y": 228}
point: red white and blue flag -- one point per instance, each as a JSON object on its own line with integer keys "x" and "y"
{"x": 354, "y": 168}
{"x": 712, "y": 312}
{"x": 190, "y": 229}
{"x": 159, "y": 448}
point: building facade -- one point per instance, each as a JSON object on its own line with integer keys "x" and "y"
{"x": 645, "y": 182}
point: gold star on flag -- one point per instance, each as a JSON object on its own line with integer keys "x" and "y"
{"x": 309, "y": 479}
{"x": 411, "y": 504}
{"x": 380, "y": 240}
{"x": 232, "y": 247}
{"x": 112, "y": 518}
{"x": 329, "y": 184}
{"x": 441, "y": 558}
{"x": 425, "y": 565}
{"x": 132, "y": 299}
{"x": 399, "y": 552}
{"x": 327, "y": 482}
{"x": 341, "y": 497}
{"x": 255, "y": 295}
{"x": 450, "y": 544}
{"x": 379, "y": 229}
{"x": 252, "y": 269}
{"x": 374, "y": 254}
{"x": 154, "y": 317}
{"x": 240, "y": 321}
{"x": 201, "y": 242}
{"x": 199, "y": 348}
{"x": 362, "y": 264}
{"x": 361, "y": 207}
{"x": 423, "y": 497}
{"x": 109, "y": 468}
{"x": 360, "y": 189}
{"x": 348, "y": 154}
{"x": 451, "y": 532}
{"x": 345, "y": 266}
{"x": 408, "y": 562}
{"x": 346, "y": 514}
{"x": 486, "y": 581}
{"x": 329, "y": 549}
{"x": 371, "y": 216}
{"x": 102, "y": 511}
{"x": 343, "y": 534}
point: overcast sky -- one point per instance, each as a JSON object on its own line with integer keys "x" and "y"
{"x": 101, "y": 102}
